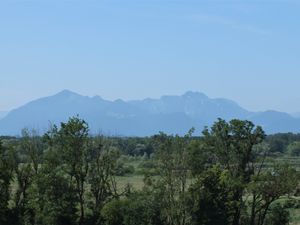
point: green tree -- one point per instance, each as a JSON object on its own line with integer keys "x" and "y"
{"x": 101, "y": 173}
{"x": 114, "y": 212}
{"x": 28, "y": 153}
{"x": 267, "y": 187}
{"x": 72, "y": 139}
{"x": 32, "y": 147}
{"x": 51, "y": 196}
{"x": 6, "y": 177}
{"x": 278, "y": 216}
{"x": 294, "y": 148}
{"x": 172, "y": 153}
{"x": 210, "y": 198}
{"x": 24, "y": 177}
{"x": 199, "y": 158}
{"x": 232, "y": 144}
{"x": 137, "y": 208}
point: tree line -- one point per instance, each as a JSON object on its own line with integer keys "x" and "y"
{"x": 68, "y": 177}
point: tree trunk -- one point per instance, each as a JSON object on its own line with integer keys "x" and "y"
{"x": 253, "y": 213}
{"x": 237, "y": 211}
{"x": 81, "y": 200}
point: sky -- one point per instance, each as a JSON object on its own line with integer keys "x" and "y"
{"x": 244, "y": 50}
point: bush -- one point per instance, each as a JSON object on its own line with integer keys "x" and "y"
{"x": 113, "y": 212}
{"x": 139, "y": 208}
{"x": 278, "y": 215}
{"x": 294, "y": 148}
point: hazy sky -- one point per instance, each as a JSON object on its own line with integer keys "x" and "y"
{"x": 247, "y": 51}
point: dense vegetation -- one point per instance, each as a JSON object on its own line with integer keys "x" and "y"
{"x": 231, "y": 174}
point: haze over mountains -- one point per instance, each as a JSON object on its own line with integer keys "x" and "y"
{"x": 3, "y": 114}
{"x": 296, "y": 114}
{"x": 171, "y": 114}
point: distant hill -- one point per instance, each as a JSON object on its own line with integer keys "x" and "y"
{"x": 171, "y": 114}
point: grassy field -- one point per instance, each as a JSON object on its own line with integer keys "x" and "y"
{"x": 135, "y": 181}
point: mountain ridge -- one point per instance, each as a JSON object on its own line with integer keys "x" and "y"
{"x": 169, "y": 113}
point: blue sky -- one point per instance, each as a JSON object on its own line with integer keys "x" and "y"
{"x": 247, "y": 51}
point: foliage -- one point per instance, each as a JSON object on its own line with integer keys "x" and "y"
{"x": 173, "y": 166}
{"x": 279, "y": 142}
{"x": 278, "y": 216}
{"x": 294, "y": 148}
{"x": 267, "y": 187}
{"x": 230, "y": 175}
{"x": 6, "y": 176}
{"x": 103, "y": 165}
{"x": 210, "y": 198}
{"x": 233, "y": 145}
{"x": 138, "y": 208}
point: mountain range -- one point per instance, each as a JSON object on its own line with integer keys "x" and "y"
{"x": 170, "y": 114}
